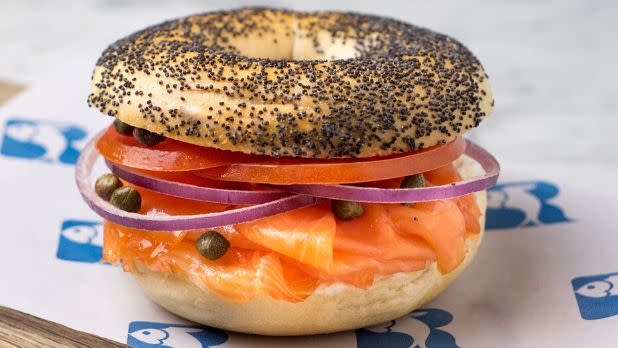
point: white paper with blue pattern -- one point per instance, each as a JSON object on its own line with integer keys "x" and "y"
{"x": 546, "y": 275}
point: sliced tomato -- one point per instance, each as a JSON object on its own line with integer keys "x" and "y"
{"x": 175, "y": 156}
{"x": 338, "y": 171}
{"x": 170, "y": 155}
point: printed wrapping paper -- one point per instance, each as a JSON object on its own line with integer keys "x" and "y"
{"x": 546, "y": 274}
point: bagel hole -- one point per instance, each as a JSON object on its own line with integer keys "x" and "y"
{"x": 296, "y": 46}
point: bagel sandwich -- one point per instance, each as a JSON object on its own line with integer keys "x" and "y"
{"x": 283, "y": 173}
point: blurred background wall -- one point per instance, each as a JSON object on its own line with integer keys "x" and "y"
{"x": 552, "y": 64}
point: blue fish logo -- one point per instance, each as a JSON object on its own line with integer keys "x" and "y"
{"x": 45, "y": 141}
{"x": 597, "y": 295}
{"x": 143, "y": 334}
{"x": 422, "y": 328}
{"x": 523, "y": 204}
{"x": 80, "y": 241}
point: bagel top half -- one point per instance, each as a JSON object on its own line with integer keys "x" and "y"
{"x": 284, "y": 83}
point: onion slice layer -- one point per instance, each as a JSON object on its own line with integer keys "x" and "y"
{"x": 195, "y": 192}
{"x": 107, "y": 211}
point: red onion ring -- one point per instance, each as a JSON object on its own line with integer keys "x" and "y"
{"x": 107, "y": 211}
{"x": 425, "y": 194}
{"x": 195, "y": 192}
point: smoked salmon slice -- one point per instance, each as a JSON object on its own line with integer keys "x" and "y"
{"x": 439, "y": 223}
{"x": 240, "y": 275}
{"x": 467, "y": 204}
{"x": 375, "y": 234}
{"x": 305, "y": 235}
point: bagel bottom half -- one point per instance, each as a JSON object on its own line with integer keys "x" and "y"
{"x": 331, "y": 308}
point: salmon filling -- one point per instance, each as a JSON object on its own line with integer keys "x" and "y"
{"x": 287, "y": 256}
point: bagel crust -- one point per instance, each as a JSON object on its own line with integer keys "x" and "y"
{"x": 331, "y": 308}
{"x": 300, "y": 84}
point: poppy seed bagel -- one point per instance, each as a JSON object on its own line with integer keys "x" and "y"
{"x": 299, "y": 84}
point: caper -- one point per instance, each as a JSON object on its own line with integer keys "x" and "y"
{"x": 106, "y": 184}
{"x": 346, "y": 210}
{"x": 412, "y": 181}
{"x": 127, "y": 199}
{"x": 123, "y": 128}
{"x": 212, "y": 245}
{"x": 146, "y": 137}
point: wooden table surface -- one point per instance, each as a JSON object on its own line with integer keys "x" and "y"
{"x": 8, "y": 90}
{"x": 18, "y": 329}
